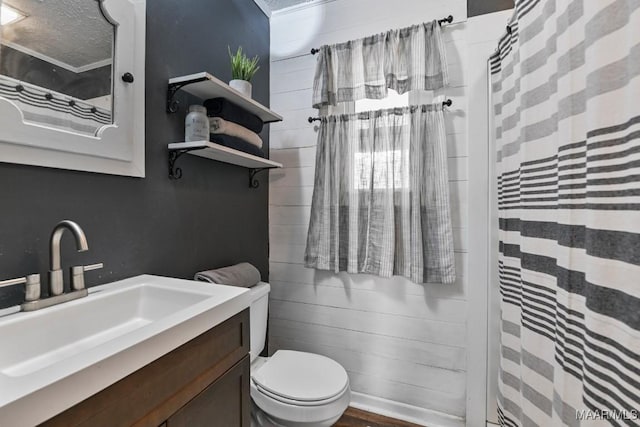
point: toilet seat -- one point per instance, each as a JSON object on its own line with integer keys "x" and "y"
{"x": 301, "y": 377}
{"x": 300, "y": 387}
{"x": 301, "y": 402}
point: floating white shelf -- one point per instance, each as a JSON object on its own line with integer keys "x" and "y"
{"x": 205, "y": 86}
{"x": 213, "y": 151}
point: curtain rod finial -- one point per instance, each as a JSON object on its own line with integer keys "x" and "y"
{"x": 447, "y": 20}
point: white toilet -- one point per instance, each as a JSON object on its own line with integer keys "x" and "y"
{"x": 292, "y": 388}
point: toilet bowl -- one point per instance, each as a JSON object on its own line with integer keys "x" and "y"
{"x": 299, "y": 389}
{"x": 292, "y": 388}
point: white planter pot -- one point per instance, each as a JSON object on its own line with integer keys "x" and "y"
{"x": 242, "y": 86}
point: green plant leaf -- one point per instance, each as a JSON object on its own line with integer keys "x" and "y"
{"x": 243, "y": 68}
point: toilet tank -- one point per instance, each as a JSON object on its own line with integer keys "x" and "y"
{"x": 259, "y": 311}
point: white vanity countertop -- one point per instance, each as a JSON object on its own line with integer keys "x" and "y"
{"x": 56, "y": 357}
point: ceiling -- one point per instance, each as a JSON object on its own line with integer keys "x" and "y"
{"x": 282, "y": 4}
{"x": 70, "y": 32}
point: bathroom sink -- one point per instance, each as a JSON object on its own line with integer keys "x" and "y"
{"x": 64, "y": 354}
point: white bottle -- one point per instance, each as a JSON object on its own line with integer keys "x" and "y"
{"x": 196, "y": 124}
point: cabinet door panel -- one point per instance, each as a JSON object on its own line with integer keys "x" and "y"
{"x": 225, "y": 403}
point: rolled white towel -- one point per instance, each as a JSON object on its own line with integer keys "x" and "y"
{"x": 244, "y": 275}
{"x": 219, "y": 125}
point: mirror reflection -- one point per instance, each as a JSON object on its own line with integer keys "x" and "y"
{"x": 56, "y": 62}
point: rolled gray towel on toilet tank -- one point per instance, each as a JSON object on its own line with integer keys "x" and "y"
{"x": 244, "y": 275}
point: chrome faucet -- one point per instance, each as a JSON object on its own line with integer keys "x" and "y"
{"x": 56, "y": 276}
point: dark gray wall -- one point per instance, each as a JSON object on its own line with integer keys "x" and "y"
{"x": 208, "y": 218}
{"x": 480, "y": 7}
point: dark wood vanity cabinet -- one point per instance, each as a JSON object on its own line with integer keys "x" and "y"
{"x": 203, "y": 383}
{"x": 222, "y": 404}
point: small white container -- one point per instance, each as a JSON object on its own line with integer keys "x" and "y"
{"x": 196, "y": 124}
{"x": 242, "y": 86}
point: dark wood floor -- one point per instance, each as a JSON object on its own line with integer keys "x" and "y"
{"x": 357, "y": 418}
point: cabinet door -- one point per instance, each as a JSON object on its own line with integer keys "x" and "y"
{"x": 225, "y": 403}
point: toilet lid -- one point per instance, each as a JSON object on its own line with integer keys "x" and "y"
{"x": 301, "y": 376}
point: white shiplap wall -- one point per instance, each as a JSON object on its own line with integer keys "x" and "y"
{"x": 400, "y": 342}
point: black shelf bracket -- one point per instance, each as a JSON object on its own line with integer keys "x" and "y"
{"x": 253, "y": 182}
{"x": 174, "y": 155}
{"x": 175, "y": 172}
{"x": 173, "y": 104}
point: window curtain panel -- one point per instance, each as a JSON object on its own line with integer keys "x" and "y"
{"x": 565, "y": 89}
{"x": 381, "y": 197}
{"x": 411, "y": 58}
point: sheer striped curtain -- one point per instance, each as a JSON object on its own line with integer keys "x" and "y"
{"x": 381, "y": 197}
{"x": 566, "y": 92}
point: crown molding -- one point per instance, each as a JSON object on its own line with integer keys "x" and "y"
{"x": 264, "y": 7}
{"x": 306, "y": 5}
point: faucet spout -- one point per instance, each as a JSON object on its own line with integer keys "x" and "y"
{"x": 56, "y": 236}
{"x": 56, "y": 278}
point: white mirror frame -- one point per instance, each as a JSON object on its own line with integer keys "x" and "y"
{"x": 117, "y": 149}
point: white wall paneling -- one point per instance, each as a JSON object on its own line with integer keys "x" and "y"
{"x": 439, "y": 334}
{"x": 407, "y": 347}
{"x": 295, "y": 32}
{"x": 442, "y": 310}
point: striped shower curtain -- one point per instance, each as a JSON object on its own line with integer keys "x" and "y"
{"x": 566, "y": 95}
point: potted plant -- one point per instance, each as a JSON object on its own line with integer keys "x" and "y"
{"x": 242, "y": 70}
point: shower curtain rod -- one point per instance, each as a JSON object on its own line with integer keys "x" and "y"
{"x": 447, "y": 20}
{"x": 447, "y": 103}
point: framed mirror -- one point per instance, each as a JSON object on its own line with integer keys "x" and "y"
{"x": 72, "y": 84}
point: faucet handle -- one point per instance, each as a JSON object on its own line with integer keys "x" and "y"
{"x": 77, "y": 274}
{"x": 11, "y": 282}
{"x": 32, "y": 285}
{"x": 93, "y": 266}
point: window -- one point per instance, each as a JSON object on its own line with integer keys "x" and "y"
{"x": 384, "y": 167}
{"x": 379, "y": 163}
{"x": 392, "y": 100}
